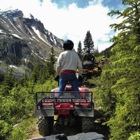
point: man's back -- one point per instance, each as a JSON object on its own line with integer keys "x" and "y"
{"x": 69, "y": 60}
{"x": 88, "y": 57}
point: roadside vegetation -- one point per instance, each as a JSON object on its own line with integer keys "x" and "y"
{"x": 117, "y": 89}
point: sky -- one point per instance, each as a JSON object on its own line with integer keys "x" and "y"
{"x": 71, "y": 19}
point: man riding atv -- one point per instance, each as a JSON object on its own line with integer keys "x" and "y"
{"x": 67, "y": 64}
{"x": 90, "y": 66}
{"x": 88, "y": 60}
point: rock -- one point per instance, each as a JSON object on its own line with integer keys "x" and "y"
{"x": 87, "y": 136}
{"x": 79, "y": 136}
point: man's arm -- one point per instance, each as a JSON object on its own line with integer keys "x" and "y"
{"x": 58, "y": 65}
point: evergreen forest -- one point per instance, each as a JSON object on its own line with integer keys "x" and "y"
{"x": 117, "y": 89}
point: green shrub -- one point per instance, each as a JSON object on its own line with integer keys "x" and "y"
{"x": 135, "y": 136}
{"x": 4, "y": 129}
{"x": 22, "y": 130}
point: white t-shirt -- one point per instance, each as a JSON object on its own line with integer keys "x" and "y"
{"x": 68, "y": 60}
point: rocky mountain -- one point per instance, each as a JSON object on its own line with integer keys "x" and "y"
{"x": 23, "y": 40}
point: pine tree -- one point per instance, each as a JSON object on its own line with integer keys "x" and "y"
{"x": 8, "y": 82}
{"x": 34, "y": 76}
{"x": 96, "y": 52}
{"x": 79, "y": 49}
{"x": 120, "y": 92}
{"x": 88, "y": 42}
{"x": 50, "y": 62}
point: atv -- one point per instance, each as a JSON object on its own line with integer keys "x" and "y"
{"x": 66, "y": 114}
{"x": 90, "y": 71}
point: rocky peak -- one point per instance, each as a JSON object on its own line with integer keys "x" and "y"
{"x": 10, "y": 14}
{"x": 24, "y": 38}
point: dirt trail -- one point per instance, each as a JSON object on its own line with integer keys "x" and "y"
{"x": 100, "y": 129}
{"x": 35, "y": 134}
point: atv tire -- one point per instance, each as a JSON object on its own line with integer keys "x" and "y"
{"x": 87, "y": 124}
{"x": 45, "y": 126}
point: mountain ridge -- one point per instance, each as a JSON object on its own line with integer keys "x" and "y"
{"x": 24, "y": 39}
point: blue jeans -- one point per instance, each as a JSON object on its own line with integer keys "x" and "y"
{"x": 72, "y": 79}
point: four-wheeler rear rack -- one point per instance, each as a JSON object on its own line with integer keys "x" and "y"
{"x": 47, "y": 100}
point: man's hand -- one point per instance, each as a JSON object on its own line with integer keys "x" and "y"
{"x": 56, "y": 78}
